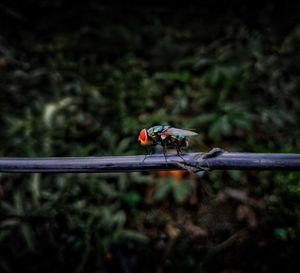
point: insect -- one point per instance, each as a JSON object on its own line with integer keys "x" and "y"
{"x": 165, "y": 136}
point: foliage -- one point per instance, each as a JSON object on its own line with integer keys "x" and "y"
{"x": 86, "y": 88}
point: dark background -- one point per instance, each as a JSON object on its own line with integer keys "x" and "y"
{"x": 82, "y": 78}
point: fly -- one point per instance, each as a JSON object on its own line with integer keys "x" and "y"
{"x": 165, "y": 136}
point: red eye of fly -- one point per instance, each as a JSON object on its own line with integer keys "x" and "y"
{"x": 143, "y": 135}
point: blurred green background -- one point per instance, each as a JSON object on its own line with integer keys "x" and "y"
{"x": 82, "y": 78}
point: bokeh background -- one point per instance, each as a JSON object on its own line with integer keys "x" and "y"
{"x": 82, "y": 78}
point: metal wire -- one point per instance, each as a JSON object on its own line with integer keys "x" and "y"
{"x": 217, "y": 159}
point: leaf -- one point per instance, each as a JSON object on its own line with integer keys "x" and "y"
{"x": 9, "y": 223}
{"x": 242, "y": 123}
{"x": 132, "y": 198}
{"x": 163, "y": 190}
{"x": 119, "y": 219}
{"x": 107, "y": 189}
{"x": 18, "y": 203}
{"x": 9, "y": 208}
{"x": 131, "y": 234}
{"x": 225, "y": 126}
{"x": 234, "y": 174}
{"x": 203, "y": 62}
{"x": 215, "y": 130}
{"x": 35, "y": 187}
{"x": 52, "y": 108}
{"x": 215, "y": 76}
{"x": 28, "y": 235}
{"x": 179, "y": 76}
{"x": 206, "y": 118}
{"x": 201, "y": 173}
{"x": 180, "y": 191}
{"x": 123, "y": 145}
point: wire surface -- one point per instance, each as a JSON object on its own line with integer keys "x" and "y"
{"x": 189, "y": 161}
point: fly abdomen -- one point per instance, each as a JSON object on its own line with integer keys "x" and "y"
{"x": 180, "y": 141}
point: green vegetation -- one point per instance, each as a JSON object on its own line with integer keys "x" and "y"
{"x": 86, "y": 81}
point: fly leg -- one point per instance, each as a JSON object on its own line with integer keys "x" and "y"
{"x": 164, "y": 145}
{"x": 147, "y": 153}
{"x": 179, "y": 152}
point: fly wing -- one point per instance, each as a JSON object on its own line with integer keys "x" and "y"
{"x": 180, "y": 132}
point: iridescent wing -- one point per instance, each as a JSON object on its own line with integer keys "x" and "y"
{"x": 176, "y": 132}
